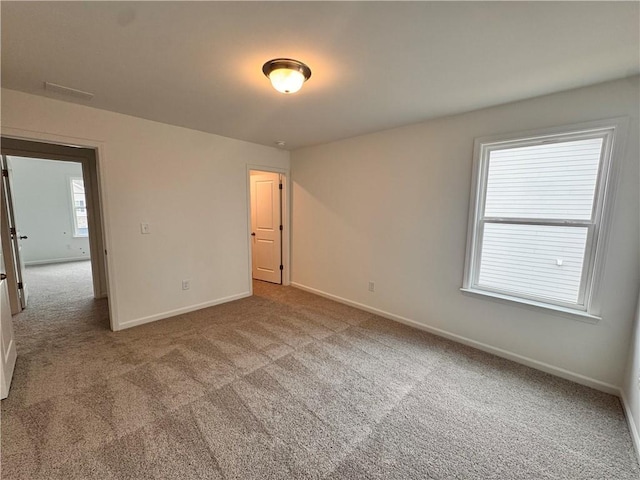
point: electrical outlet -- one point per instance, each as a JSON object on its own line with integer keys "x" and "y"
{"x": 144, "y": 229}
{"x": 186, "y": 284}
{"x": 372, "y": 286}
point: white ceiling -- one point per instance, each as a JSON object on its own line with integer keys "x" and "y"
{"x": 375, "y": 65}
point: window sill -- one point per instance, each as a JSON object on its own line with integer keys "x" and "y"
{"x": 79, "y": 236}
{"x": 565, "y": 312}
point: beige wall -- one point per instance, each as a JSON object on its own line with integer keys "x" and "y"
{"x": 189, "y": 186}
{"x": 392, "y": 207}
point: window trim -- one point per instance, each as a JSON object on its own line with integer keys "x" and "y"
{"x": 74, "y": 218}
{"x": 589, "y": 307}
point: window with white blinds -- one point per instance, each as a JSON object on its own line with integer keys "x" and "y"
{"x": 79, "y": 208}
{"x": 536, "y": 216}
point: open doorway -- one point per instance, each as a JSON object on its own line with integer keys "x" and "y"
{"x": 268, "y": 226}
{"x": 51, "y": 216}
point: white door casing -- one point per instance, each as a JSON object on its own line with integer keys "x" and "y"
{"x": 266, "y": 222}
{"x": 7, "y": 340}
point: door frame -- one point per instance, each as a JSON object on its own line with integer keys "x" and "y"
{"x": 86, "y": 158}
{"x": 286, "y": 221}
{"x": 94, "y": 176}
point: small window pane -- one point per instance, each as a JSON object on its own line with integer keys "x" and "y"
{"x": 81, "y": 218}
{"x": 539, "y": 260}
{"x": 550, "y": 181}
{"x": 78, "y": 186}
{"x": 80, "y": 222}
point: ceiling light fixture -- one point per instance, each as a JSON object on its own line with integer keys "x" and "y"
{"x": 286, "y": 75}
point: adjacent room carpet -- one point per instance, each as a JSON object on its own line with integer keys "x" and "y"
{"x": 285, "y": 385}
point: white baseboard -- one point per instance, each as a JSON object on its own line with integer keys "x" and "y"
{"x": 57, "y": 260}
{"x": 530, "y": 362}
{"x": 635, "y": 435}
{"x": 179, "y": 311}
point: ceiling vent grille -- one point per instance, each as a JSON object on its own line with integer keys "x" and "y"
{"x": 72, "y": 92}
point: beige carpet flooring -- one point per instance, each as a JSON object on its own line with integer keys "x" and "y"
{"x": 284, "y": 385}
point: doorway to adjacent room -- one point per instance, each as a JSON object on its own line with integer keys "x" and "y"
{"x": 268, "y": 226}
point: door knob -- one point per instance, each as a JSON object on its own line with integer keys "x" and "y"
{"x": 253, "y": 234}
{"x": 3, "y": 276}
{"x": 23, "y": 237}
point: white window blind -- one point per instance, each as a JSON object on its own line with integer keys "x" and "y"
{"x": 536, "y": 216}
{"x": 539, "y": 260}
{"x": 544, "y": 181}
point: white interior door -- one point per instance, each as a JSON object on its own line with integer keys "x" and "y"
{"x": 266, "y": 224}
{"x": 7, "y": 341}
{"x": 15, "y": 235}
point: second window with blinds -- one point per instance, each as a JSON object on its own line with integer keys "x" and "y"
{"x": 536, "y": 227}
{"x": 79, "y": 208}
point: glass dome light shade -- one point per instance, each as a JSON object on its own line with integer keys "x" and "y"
{"x": 286, "y": 75}
{"x": 285, "y": 80}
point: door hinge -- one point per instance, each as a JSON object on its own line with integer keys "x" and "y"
{"x": 281, "y": 267}
{"x": 12, "y": 231}
{"x": 280, "y": 186}
{"x": 5, "y": 172}
{"x": 20, "y": 286}
{"x": 280, "y": 227}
